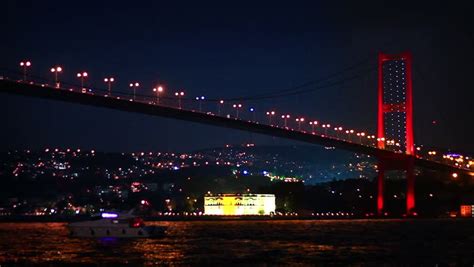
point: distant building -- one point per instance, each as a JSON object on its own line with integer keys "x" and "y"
{"x": 467, "y": 211}
{"x": 239, "y": 204}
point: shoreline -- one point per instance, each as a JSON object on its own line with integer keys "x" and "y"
{"x": 46, "y": 219}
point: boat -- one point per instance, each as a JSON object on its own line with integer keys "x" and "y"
{"x": 115, "y": 224}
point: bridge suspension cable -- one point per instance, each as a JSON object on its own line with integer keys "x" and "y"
{"x": 309, "y": 83}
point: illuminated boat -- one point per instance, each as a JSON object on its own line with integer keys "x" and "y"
{"x": 113, "y": 224}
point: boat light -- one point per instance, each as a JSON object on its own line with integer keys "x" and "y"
{"x": 109, "y": 215}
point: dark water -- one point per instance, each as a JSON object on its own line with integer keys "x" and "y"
{"x": 373, "y": 242}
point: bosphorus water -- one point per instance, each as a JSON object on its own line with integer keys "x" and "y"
{"x": 323, "y": 242}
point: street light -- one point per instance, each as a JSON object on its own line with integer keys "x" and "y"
{"x": 313, "y": 123}
{"x": 158, "y": 90}
{"x": 371, "y": 137}
{"x": 179, "y": 95}
{"x": 299, "y": 121}
{"x": 360, "y": 135}
{"x": 337, "y": 129}
{"x": 220, "y": 105}
{"x": 349, "y": 132}
{"x": 237, "y": 107}
{"x": 82, "y": 76}
{"x": 134, "y": 85}
{"x": 200, "y": 99}
{"x": 56, "y": 70}
{"x": 109, "y": 82}
{"x": 270, "y": 114}
{"x": 285, "y": 120}
{"x": 253, "y": 113}
{"x": 326, "y": 127}
{"x": 24, "y": 65}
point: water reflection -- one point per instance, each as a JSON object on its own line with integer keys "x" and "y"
{"x": 243, "y": 242}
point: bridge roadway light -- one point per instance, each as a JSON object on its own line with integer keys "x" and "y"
{"x": 220, "y": 105}
{"x": 252, "y": 109}
{"x": 82, "y": 76}
{"x": 200, "y": 99}
{"x": 299, "y": 121}
{"x": 285, "y": 120}
{"x": 349, "y": 132}
{"x": 158, "y": 90}
{"x": 237, "y": 107}
{"x": 338, "y": 129}
{"x": 371, "y": 137}
{"x": 326, "y": 127}
{"x": 134, "y": 85}
{"x": 360, "y": 135}
{"x": 313, "y": 124}
{"x": 109, "y": 82}
{"x": 270, "y": 115}
{"x": 55, "y": 71}
{"x": 179, "y": 95}
{"x": 25, "y": 65}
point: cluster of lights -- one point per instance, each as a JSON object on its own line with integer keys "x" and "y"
{"x": 331, "y": 214}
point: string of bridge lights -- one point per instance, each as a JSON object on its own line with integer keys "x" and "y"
{"x": 339, "y": 132}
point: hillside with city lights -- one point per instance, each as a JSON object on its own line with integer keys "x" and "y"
{"x": 70, "y": 183}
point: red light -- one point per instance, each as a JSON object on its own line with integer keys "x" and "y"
{"x": 136, "y": 222}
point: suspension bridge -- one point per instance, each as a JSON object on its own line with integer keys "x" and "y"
{"x": 393, "y": 145}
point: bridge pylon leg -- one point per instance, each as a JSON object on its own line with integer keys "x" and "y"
{"x": 410, "y": 175}
{"x": 380, "y": 189}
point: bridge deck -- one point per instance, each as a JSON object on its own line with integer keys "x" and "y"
{"x": 35, "y": 90}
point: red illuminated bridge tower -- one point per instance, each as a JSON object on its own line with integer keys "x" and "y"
{"x": 395, "y": 123}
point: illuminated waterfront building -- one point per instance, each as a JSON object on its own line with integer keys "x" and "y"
{"x": 239, "y": 204}
{"x": 467, "y": 211}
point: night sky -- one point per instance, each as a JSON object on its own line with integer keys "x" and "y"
{"x": 228, "y": 50}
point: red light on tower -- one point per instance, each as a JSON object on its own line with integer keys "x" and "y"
{"x": 466, "y": 210}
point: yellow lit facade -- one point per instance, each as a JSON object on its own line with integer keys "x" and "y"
{"x": 239, "y": 204}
